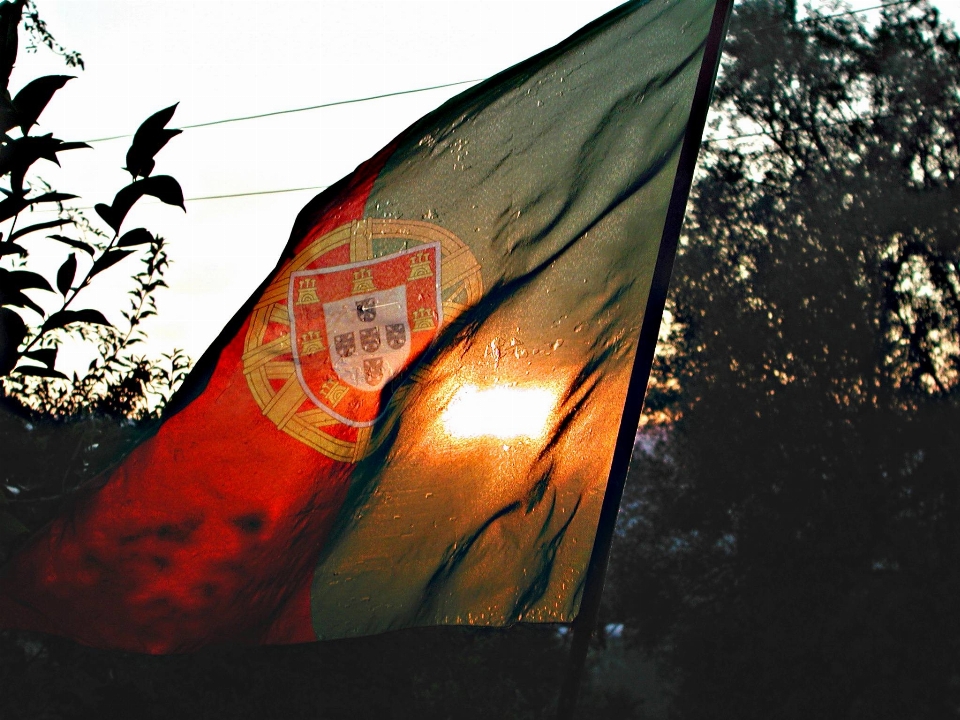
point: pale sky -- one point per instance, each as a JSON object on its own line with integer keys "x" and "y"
{"x": 224, "y": 59}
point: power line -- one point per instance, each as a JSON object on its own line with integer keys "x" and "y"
{"x": 204, "y": 197}
{"x": 816, "y": 18}
{"x": 210, "y": 123}
{"x": 812, "y": 18}
{"x": 297, "y": 110}
{"x": 256, "y": 192}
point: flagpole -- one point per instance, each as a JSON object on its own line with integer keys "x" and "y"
{"x": 585, "y": 623}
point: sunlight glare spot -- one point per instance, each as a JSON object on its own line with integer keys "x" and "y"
{"x": 501, "y": 412}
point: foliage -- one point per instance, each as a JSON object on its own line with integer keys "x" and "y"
{"x": 37, "y": 31}
{"x": 788, "y": 543}
{"x": 59, "y": 427}
{"x": 427, "y": 674}
{"x": 32, "y": 330}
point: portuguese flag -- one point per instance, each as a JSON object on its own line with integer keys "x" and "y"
{"x": 413, "y": 420}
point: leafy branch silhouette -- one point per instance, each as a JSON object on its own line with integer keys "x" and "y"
{"x": 33, "y": 328}
{"x": 60, "y": 426}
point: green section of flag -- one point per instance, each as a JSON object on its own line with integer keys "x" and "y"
{"x": 557, "y": 175}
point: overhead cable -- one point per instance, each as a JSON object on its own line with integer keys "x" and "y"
{"x": 297, "y": 110}
{"x": 812, "y": 18}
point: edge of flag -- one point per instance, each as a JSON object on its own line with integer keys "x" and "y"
{"x": 586, "y": 620}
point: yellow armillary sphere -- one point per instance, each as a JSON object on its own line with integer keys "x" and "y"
{"x": 344, "y": 318}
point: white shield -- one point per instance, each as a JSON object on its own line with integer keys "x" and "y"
{"x": 368, "y": 337}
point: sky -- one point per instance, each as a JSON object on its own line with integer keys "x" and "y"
{"x": 235, "y": 58}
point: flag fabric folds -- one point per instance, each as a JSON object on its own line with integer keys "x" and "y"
{"x": 412, "y": 420}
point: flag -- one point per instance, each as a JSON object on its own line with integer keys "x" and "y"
{"x": 412, "y": 420}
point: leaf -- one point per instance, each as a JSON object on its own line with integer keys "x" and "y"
{"x": 48, "y": 356}
{"x": 41, "y": 226}
{"x": 72, "y": 146}
{"x": 73, "y": 243}
{"x": 108, "y": 215}
{"x": 9, "y": 248}
{"x": 12, "y": 332}
{"x": 11, "y": 206}
{"x": 8, "y": 113}
{"x": 50, "y": 197}
{"x": 11, "y": 284}
{"x": 9, "y": 296}
{"x": 9, "y": 19}
{"x": 137, "y": 236}
{"x": 108, "y": 260}
{"x": 24, "y": 151}
{"x": 67, "y": 317}
{"x": 33, "y": 98}
{"x": 66, "y": 274}
{"x": 17, "y": 155}
{"x": 150, "y": 137}
{"x": 40, "y": 372}
{"x": 23, "y": 279}
{"x": 163, "y": 187}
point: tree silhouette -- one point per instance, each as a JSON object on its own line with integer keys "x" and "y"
{"x": 58, "y": 425}
{"x": 788, "y": 542}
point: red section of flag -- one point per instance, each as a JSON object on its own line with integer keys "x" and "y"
{"x": 208, "y": 532}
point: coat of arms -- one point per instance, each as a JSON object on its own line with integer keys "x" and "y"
{"x": 354, "y": 308}
{"x": 357, "y": 325}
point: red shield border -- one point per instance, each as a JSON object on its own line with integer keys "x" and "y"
{"x": 416, "y": 269}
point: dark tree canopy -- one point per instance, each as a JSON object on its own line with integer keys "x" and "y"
{"x": 61, "y": 422}
{"x": 789, "y": 544}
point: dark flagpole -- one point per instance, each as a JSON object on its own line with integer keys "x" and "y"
{"x": 586, "y": 621}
